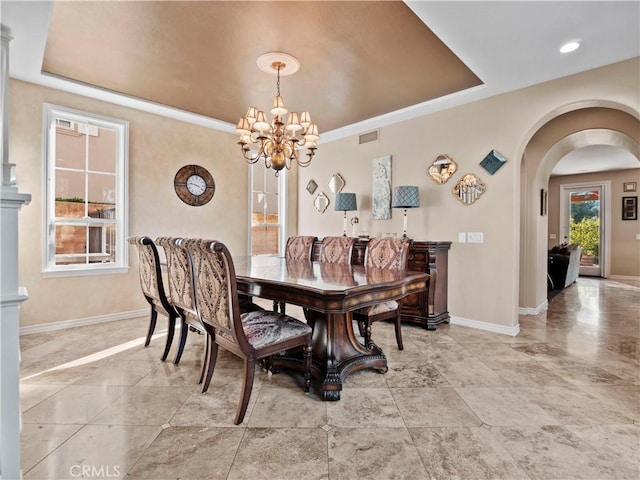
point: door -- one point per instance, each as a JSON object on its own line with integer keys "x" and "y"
{"x": 582, "y": 222}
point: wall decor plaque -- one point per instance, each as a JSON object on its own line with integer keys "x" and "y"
{"x": 493, "y": 161}
{"x": 311, "y": 186}
{"x": 442, "y": 169}
{"x": 321, "y": 202}
{"x": 468, "y": 189}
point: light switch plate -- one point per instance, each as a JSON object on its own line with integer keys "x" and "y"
{"x": 462, "y": 237}
{"x": 552, "y": 236}
{"x": 475, "y": 237}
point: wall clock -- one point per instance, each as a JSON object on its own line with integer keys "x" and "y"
{"x": 194, "y": 185}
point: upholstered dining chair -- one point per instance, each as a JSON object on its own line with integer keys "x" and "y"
{"x": 253, "y": 335}
{"x": 383, "y": 253}
{"x": 337, "y": 250}
{"x": 181, "y": 294}
{"x": 153, "y": 289}
{"x": 297, "y": 248}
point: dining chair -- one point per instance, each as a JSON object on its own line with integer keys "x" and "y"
{"x": 297, "y": 248}
{"x": 252, "y": 336}
{"x": 153, "y": 288}
{"x": 337, "y": 250}
{"x": 181, "y": 294}
{"x": 391, "y": 254}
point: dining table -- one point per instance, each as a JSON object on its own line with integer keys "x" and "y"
{"x": 328, "y": 295}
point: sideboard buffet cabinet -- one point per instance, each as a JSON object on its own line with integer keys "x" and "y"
{"x": 427, "y": 308}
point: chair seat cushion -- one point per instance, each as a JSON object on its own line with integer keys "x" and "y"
{"x": 265, "y": 327}
{"x": 378, "y": 308}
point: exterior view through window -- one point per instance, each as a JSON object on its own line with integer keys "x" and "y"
{"x": 585, "y": 224}
{"x": 267, "y": 207}
{"x": 86, "y": 211}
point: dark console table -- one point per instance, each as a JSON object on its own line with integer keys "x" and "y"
{"x": 427, "y": 308}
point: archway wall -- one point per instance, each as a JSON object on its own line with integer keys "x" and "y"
{"x": 615, "y": 109}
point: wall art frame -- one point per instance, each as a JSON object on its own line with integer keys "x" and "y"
{"x": 629, "y": 186}
{"x": 630, "y": 208}
{"x": 381, "y": 188}
{"x": 543, "y": 202}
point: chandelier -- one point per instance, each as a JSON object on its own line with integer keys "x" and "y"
{"x": 278, "y": 142}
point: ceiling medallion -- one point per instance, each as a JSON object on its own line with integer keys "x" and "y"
{"x": 277, "y": 144}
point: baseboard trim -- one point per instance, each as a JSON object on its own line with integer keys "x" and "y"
{"x": 80, "y": 322}
{"x": 533, "y": 311}
{"x": 623, "y": 277}
{"x": 489, "y": 327}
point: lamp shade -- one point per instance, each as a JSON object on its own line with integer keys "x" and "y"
{"x": 406, "y": 196}
{"x": 346, "y": 202}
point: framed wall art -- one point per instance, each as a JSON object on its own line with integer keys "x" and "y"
{"x": 381, "y": 191}
{"x": 629, "y": 186}
{"x": 543, "y": 202}
{"x": 629, "y": 208}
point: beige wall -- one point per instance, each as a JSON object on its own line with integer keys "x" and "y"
{"x": 158, "y": 147}
{"x": 483, "y": 278}
{"x": 624, "y": 248}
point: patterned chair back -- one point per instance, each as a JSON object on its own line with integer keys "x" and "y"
{"x": 299, "y": 248}
{"x": 337, "y": 250}
{"x": 216, "y": 293}
{"x": 389, "y": 253}
{"x": 179, "y": 274}
{"x": 149, "y": 269}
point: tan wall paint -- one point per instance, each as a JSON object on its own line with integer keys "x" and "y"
{"x": 158, "y": 147}
{"x": 483, "y": 278}
{"x": 625, "y": 249}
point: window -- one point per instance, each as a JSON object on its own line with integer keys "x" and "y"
{"x": 267, "y": 204}
{"x": 86, "y": 159}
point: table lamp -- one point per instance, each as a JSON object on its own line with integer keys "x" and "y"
{"x": 347, "y": 203}
{"x": 405, "y": 196}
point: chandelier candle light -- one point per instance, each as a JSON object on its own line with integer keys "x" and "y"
{"x": 277, "y": 143}
{"x": 345, "y": 202}
{"x": 406, "y": 196}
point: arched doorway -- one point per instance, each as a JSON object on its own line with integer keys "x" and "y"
{"x": 562, "y": 131}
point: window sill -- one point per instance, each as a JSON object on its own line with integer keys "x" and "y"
{"x": 84, "y": 272}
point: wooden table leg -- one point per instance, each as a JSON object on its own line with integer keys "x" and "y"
{"x": 338, "y": 353}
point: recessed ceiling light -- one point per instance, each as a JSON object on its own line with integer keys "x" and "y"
{"x": 569, "y": 47}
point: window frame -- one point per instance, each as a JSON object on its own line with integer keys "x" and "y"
{"x": 121, "y": 264}
{"x": 282, "y": 206}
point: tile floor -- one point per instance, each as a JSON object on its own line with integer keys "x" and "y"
{"x": 559, "y": 401}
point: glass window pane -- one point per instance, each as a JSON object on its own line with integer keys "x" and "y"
{"x": 70, "y": 148}
{"x": 102, "y": 194}
{"x": 271, "y": 182}
{"x": 71, "y": 244}
{"x": 271, "y": 204}
{"x": 258, "y": 203}
{"x": 264, "y": 240}
{"x": 102, "y": 149}
{"x": 258, "y": 177}
{"x": 69, "y": 185}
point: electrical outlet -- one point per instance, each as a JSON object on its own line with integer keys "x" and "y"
{"x": 637, "y": 236}
{"x": 552, "y": 236}
{"x": 462, "y": 237}
{"x": 475, "y": 237}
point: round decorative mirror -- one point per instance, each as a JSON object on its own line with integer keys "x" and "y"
{"x": 442, "y": 169}
{"x": 321, "y": 202}
{"x": 468, "y": 189}
{"x": 336, "y": 183}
